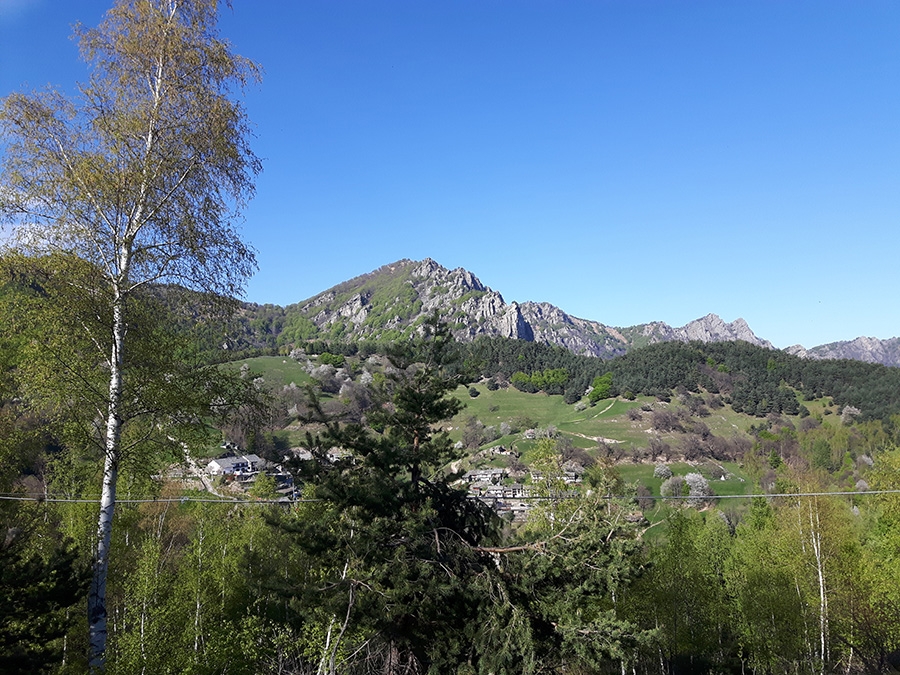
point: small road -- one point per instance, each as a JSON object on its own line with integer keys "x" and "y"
{"x": 611, "y": 404}
{"x": 598, "y": 439}
{"x": 200, "y": 473}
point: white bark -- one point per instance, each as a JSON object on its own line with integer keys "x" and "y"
{"x": 328, "y": 663}
{"x": 97, "y": 615}
{"x": 198, "y": 605}
{"x": 815, "y": 533}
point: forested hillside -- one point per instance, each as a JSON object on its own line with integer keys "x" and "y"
{"x": 384, "y": 562}
{"x": 751, "y": 379}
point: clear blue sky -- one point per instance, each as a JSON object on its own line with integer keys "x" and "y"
{"x": 626, "y": 160}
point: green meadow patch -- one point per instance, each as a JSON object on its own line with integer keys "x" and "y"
{"x": 275, "y": 370}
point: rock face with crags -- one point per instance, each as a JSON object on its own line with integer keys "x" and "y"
{"x": 869, "y": 349}
{"x": 394, "y": 300}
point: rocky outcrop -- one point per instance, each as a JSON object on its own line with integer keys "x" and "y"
{"x": 513, "y": 324}
{"x": 551, "y": 325}
{"x": 869, "y": 349}
{"x": 395, "y": 298}
{"x": 711, "y": 328}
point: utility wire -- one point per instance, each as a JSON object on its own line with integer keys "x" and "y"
{"x": 148, "y": 500}
{"x": 171, "y": 500}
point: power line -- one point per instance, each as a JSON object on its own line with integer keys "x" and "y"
{"x": 148, "y": 500}
{"x": 702, "y": 497}
{"x": 776, "y": 494}
{"x": 182, "y": 500}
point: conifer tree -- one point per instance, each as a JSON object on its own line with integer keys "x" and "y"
{"x": 396, "y": 544}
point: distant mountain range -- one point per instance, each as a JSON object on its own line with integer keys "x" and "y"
{"x": 869, "y": 349}
{"x": 395, "y": 299}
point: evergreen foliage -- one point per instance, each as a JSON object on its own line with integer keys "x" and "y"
{"x": 41, "y": 582}
{"x": 397, "y": 545}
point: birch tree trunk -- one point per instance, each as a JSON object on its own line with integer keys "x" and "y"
{"x": 138, "y": 179}
{"x": 97, "y": 623}
{"x": 815, "y": 536}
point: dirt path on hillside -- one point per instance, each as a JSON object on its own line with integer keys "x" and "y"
{"x": 201, "y": 474}
{"x": 598, "y": 439}
{"x": 606, "y": 408}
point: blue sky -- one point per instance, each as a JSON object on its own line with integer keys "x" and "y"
{"x": 625, "y": 160}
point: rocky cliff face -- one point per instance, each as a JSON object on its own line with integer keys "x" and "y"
{"x": 869, "y": 349}
{"x": 394, "y": 300}
{"x": 712, "y": 329}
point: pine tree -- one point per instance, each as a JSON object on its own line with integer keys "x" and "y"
{"x": 395, "y": 544}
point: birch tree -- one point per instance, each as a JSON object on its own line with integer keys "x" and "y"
{"x": 140, "y": 175}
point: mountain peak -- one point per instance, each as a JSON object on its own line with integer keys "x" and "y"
{"x": 711, "y": 328}
{"x": 392, "y": 301}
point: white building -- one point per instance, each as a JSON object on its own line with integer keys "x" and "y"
{"x": 234, "y": 465}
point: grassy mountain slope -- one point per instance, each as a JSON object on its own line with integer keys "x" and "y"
{"x": 696, "y": 419}
{"x": 391, "y": 302}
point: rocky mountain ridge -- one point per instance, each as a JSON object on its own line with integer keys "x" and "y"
{"x": 395, "y": 299}
{"x": 868, "y": 349}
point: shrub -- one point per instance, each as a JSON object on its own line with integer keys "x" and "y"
{"x": 520, "y": 423}
{"x": 659, "y": 448}
{"x": 662, "y": 471}
{"x": 849, "y": 413}
{"x": 672, "y": 487}
{"x": 550, "y": 431}
{"x": 644, "y": 498}
{"x": 693, "y": 447}
{"x": 665, "y": 420}
{"x": 572, "y": 396}
{"x": 698, "y": 488}
{"x": 809, "y": 423}
{"x": 336, "y": 360}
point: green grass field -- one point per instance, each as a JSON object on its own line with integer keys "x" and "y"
{"x": 608, "y": 421}
{"x": 275, "y": 370}
{"x": 736, "y": 483}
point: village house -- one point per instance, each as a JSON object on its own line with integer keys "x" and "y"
{"x": 488, "y": 475}
{"x": 332, "y": 455}
{"x": 234, "y": 466}
{"x": 504, "y": 451}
